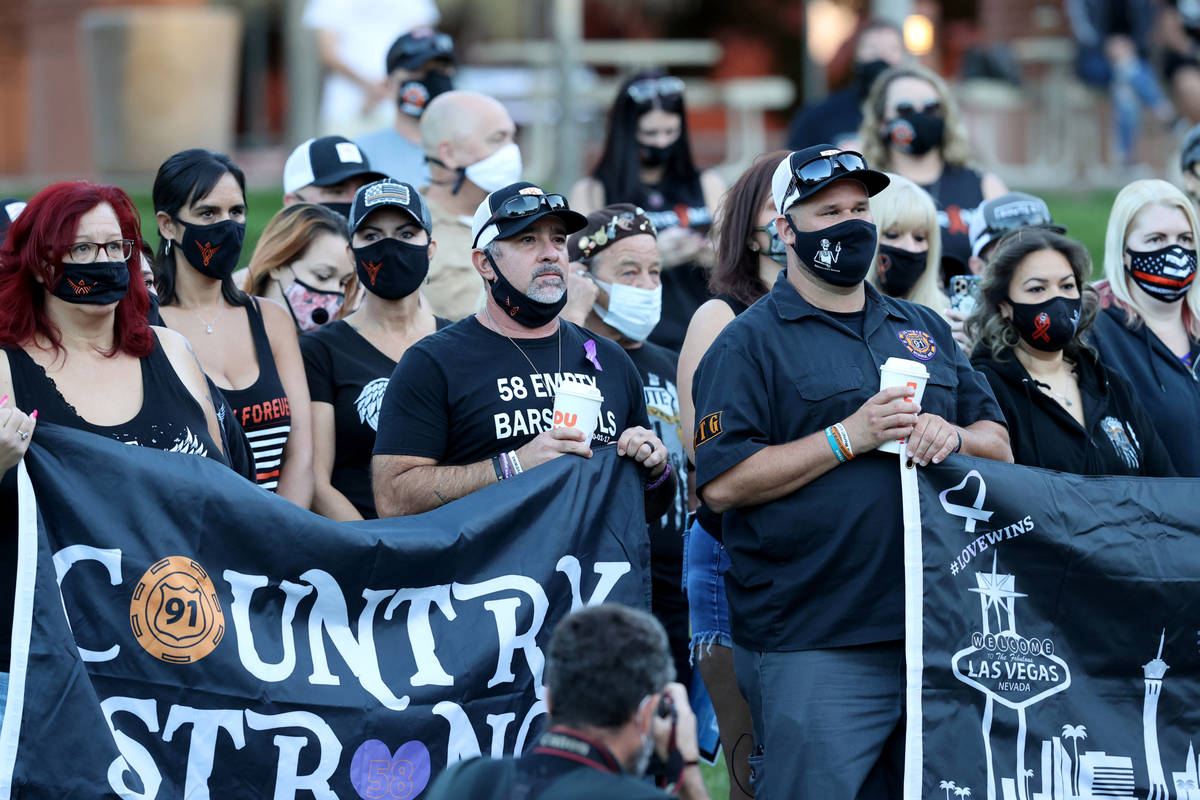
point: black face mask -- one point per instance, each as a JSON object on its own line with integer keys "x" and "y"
{"x": 1048, "y": 326}
{"x": 899, "y": 269}
{"x": 415, "y": 95}
{"x": 94, "y": 284}
{"x": 213, "y": 249}
{"x": 915, "y": 133}
{"x": 520, "y": 307}
{"x": 840, "y": 254}
{"x": 390, "y": 268}
{"x": 656, "y": 156}
{"x": 865, "y": 73}
{"x": 1166, "y": 273}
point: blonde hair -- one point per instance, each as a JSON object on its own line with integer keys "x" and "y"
{"x": 955, "y": 147}
{"x": 286, "y": 237}
{"x": 905, "y": 205}
{"x": 1131, "y": 200}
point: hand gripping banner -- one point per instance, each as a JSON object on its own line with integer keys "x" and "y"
{"x": 1052, "y": 626}
{"x": 180, "y": 633}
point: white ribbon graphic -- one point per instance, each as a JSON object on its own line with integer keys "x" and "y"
{"x": 973, "y": 512}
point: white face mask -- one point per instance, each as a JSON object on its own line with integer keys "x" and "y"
{"x": 498, "y": 170}
{"x": 632, "y": 311}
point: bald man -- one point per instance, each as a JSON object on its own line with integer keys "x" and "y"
{"x": 468, "y": 141}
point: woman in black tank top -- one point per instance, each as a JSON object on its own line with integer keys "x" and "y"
{"x": 749, "y": 258}
{"x": 912, "y": 126}
{"x": 76, "y": 350}
{"x": 647, "y": 161}
{"x": 248, "y": 346}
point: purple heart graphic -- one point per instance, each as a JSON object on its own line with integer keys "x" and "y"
{"x": 377, "y": 774}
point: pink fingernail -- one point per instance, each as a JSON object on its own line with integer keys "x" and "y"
{"x": 34, "y": 414}
{"x": 3, "y": 400}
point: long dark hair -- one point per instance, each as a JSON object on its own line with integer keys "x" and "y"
{"x": 988, "y": 329}
{"x": 620, "y": 165}
{"x": 182, "y": 179}
{"x": 736, "y": 271}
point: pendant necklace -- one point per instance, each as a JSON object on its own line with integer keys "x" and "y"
{"x": 519, "y": 350}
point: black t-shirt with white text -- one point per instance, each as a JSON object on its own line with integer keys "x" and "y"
{"x": 657, "y": 367}
{"x": 467, "y": 393}
{"x": 351, "y": 374}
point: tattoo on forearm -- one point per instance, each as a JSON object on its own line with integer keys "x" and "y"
{"x": 441, "y": 497}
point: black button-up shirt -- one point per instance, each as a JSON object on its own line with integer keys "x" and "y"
{"x": 823, "y": 566}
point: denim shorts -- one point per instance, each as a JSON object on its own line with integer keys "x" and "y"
{"x": 705, "y": 561}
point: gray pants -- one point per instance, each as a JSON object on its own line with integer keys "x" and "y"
{"x": 830, "y": 722}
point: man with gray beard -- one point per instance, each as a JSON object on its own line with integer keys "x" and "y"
{"x": 473, "y": 403}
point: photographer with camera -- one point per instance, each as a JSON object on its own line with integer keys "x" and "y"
{"x": 615, "y": 716}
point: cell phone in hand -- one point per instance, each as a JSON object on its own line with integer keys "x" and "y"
{"x": 964, "y": 293}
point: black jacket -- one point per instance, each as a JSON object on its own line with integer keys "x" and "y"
{"x": 1119, "y": 438}
{"x": 1168, "y": 388}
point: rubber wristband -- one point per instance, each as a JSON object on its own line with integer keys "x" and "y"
{"x": 660, "y": 479}
{"x": 507, "y": 467}
{"x": 957, "y": 447}
{"x": 516, "y": 462}
{"x": 844, "y": 438}
{"x": 499, "y": 470}
{"x": 833, "y": 444}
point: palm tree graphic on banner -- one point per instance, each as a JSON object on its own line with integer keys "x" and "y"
{"x": 1075, "y": 733}
{"x": 947, "y": 786}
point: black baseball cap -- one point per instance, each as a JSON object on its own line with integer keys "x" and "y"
{"x": 324, "y": 162}
{"x": 789, "y": 188}
{"x": 486, "y": 227}
{"x": 996, "y": 217}
{"x": 417, "y": 47}
{"x": 389, "y": 192}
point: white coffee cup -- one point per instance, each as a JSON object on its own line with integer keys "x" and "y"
{"x": 902, "y": 372}
{"x": 577, "y": 405}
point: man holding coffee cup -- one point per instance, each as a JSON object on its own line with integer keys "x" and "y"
{"x": 616, "y": 292}
{"x": 789, "y": 414}
{"x": 474, "y": 403}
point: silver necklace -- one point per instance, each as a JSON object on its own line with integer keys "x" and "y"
{"x": 522, "y": 352}
{"x": 208, "y": 325}
{"x": 1048, "y": 389}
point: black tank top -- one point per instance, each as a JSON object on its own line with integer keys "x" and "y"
{"x": 169, "y": 419}
{"x": 673, "y": 204}
{"x": 262, "y": 408}
{"x": 957, "y": 193}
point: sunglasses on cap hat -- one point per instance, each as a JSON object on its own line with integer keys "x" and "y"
{"x": 823, "y": 168}
{"x": 645, "y": 90}
{"x": 525, "y": 205}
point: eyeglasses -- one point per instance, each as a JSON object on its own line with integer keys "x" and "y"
{"x": 88, "y": 252}
{"x": 904, "y": 108}
{"x": 645, "y": 90}
{"x": 525, "y": 205}
{"x": 823, "y": 167}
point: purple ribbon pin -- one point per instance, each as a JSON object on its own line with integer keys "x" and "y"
{"x": 589, "y": 350}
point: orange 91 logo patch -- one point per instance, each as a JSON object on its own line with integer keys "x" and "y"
{"x": 175, "y": 614}
{"x": 708, "y": 429}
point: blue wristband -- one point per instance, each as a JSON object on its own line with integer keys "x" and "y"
{"x": 833, "y": 444}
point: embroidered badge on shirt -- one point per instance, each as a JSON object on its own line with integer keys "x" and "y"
{"x": 708, "y": 429}
{"x": 919, "y": 343}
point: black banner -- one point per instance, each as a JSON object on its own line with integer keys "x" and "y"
{"x": 1052, "y": 634}
{"x": 220, "y": 642}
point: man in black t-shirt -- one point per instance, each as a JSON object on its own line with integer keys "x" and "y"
{"x": 789, "y": 414}
{"x": 472, "y": 404}
{"x": 616, "y": 257}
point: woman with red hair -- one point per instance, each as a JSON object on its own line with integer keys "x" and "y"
{"x": 76, "y": 350}
{"x": 74, "y": 341}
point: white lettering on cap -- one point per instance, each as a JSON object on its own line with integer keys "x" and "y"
{"x": 531, "y": 190}
{"x": 830, "y": 152}
{"x": 348, "y": 151}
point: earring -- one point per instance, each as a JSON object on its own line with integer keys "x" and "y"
{"x": 752, "y": 247}
{"x": 167, "y": 248}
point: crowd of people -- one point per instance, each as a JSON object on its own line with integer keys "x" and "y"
{"x": 407, "y": 316}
